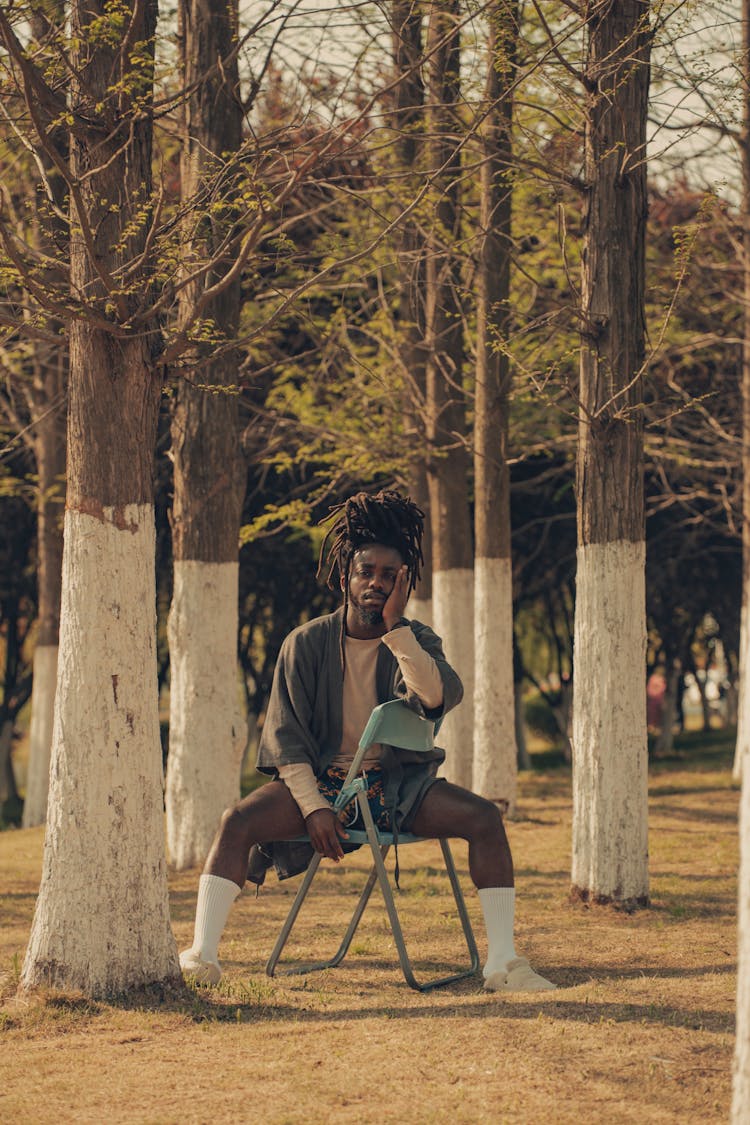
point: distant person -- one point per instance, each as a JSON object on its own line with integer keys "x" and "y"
{"x": 330, "y": 674}
{"x": 655, "y": 691}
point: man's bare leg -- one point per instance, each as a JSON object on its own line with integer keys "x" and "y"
{"x": 448, "y": 810}
{"x": 270, "y": 813}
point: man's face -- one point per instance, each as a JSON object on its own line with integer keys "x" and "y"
{"x": 371, "y": 578}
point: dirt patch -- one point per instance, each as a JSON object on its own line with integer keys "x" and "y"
{"x": 641, "y": 1028}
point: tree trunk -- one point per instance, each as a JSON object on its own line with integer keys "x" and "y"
{"x": 495, "y": 753}
{"x": 665, "y": 741}
{"x": 420, "y": 603}
{"x": 702, "y": 685}
{"x": 610, "y": 828}
{"x": 452, "y": 555}
{"x": 49, "y": 446}
{"x": 102, "y": 917}
{"x": 206, "y": 725}
{"x": 407, "y": 120}
{"x": 47, "y": 406}
{"x": 8, "y": 788}
{"x": 741, "y": 1074}
{"x": 523, "y": 758}
{"x": 742, "y": 744}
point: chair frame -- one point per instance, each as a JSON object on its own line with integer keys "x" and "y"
{"x": 417, "y": 736}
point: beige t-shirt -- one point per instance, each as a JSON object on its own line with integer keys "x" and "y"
{"x": 421, "y": 677}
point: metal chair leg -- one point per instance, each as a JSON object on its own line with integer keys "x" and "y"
{"x": 286, "y": 929}
{"x": 377, "y": 874}
{"x": 396, "y": 929}
{"x": 346, "y": 941}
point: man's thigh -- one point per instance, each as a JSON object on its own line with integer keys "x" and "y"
{"x": 449, "y": 810}
{"x": 271, "y": 813}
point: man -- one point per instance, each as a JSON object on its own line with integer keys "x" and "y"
{"x": 331, "y": 672}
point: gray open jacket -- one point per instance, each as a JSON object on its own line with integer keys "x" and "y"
{"x": 304, "y": 724}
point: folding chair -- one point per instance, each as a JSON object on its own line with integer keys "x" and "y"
{"x": 395, "y": 725}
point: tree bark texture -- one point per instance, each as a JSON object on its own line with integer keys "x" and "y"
{"x": 205, "y": 736}
{"x": 452, "y": 551}
{"x": 47, "y": 397}
{"x": 207, "y": 730}
{"x": 495, "y": 766}
{"x": 743, "y": 717}
{"x": 741, "y": 1070}
{"x": 102, "y": 917}
{"x": 408, "y": 123}
{"x": 610, "y": 857}
{"x": 48, "y": 405}
{"x": 209, "y": 476}
{"x": 40, "y": 734}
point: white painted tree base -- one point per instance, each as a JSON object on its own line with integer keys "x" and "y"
{"x": 207, "y": 730}
{"x": 453, "y": 608}
{"x": 741, "y": 1070}
{"x": 40, "y": 735}
{"x": 495, "y": 754}
{"x": 102, "y": 917}
{"x": 610, "y": 757}
{"x": 420, "y": 609}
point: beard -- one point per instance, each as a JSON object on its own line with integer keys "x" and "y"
{"x": 368, "y": 614}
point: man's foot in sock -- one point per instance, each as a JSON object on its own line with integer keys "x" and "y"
{"x": 518, "y": 976}
{"x": 195, "y": 968}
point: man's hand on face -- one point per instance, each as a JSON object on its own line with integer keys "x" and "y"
{"x": 393, "y": 610}
{"x": 326, "y": 833}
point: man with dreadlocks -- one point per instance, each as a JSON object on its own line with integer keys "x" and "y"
{"x": 330, "y": 674}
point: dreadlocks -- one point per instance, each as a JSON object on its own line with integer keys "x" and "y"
{"x": 386, "y": 518}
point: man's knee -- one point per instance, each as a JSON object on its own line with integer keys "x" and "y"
{"x": 234, "y": 827}
{"x": 488, "y": 820}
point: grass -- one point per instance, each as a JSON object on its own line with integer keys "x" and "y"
{"x": 640, "y": 1030}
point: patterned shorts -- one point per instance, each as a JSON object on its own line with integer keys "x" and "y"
{"x": 330, "y": 784}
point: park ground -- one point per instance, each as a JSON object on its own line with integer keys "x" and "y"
{"x": 640, "y": 1030}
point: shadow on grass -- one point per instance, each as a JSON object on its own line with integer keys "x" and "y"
{"x": 457, "y": 1003}
{"x": 702, "y": 814}
{"x": 237, "y": 1002}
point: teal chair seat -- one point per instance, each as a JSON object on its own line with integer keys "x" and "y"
{"x": 393, "y": 724}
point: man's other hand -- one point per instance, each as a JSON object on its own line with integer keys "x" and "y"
{"x": 326, "y": 833}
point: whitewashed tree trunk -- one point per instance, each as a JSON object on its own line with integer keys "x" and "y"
{"x": 40, "y": 735}
{"x": 452, "y": 553}
{"x": 610, "y": 856}
{"x": 102, "y": 917}
{"x": 206, "y": 735}
{"x": 46, "y": 391}
{"x": 741, "y": 1073}
{"x": 101, "y": 923}
{"x": 610, "y": 756}
{"x": 206, "y": 726}
{"x": 495, "y": 752}
{"x": 741, "y": 1070}
{"x": 453, "y": 605}
{"x": 421, "y": 610}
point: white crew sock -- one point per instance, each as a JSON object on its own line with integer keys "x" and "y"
{"x": 499, "y": 908}
{"x": 215, "y": 898}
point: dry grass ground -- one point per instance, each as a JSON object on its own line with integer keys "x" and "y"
{"x": 641, "y": 1029}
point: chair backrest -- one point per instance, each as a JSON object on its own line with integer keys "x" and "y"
{"x": 397, "y": 725}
